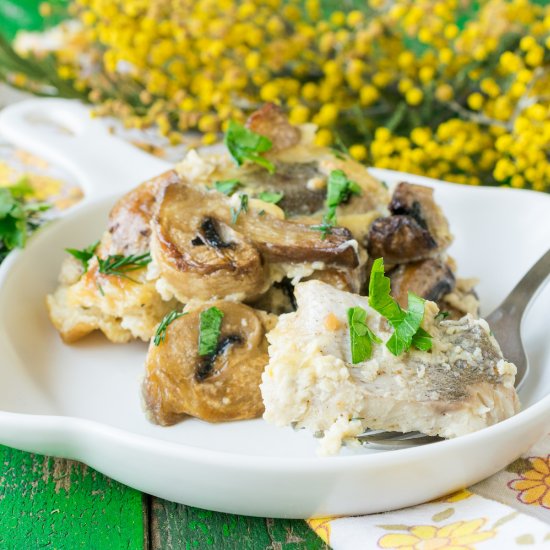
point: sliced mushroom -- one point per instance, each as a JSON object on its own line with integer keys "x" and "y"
{"x": 203, "y": 253}
{"x": 417, "y": 201}
{"x": 416, "y": 230}
{"x": 431, "y": 279}
{"x": 350, "y": 281}
{"x": 219, "y": 387}
{"x": 128, "y": 228}
{"x": 271, "y": 122}
{"x": 400, "y": 239}
{"x": 290, "y": 179}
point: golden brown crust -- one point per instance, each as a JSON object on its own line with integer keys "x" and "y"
{"x": 178, "y": 382}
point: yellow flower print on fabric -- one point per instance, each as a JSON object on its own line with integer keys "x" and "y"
{"x": 457, "y": 496}
{"x": 533, "y": 487}
{"x": 321, "y": 526}
{"x": 460, "y": 535}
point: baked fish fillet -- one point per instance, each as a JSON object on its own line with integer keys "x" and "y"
{"x": 462, "y": 385}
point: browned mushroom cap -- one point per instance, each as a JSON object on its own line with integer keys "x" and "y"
{"x": 416, "y": 230}
{"x": 288, "y": 241}
{"x": 202, "y": 254}
{"x": 198, "y": 252}
{"x": 128, "y": 227}
{"x": 417, "y": 201}
{"x": 271, "y": 122}
{"x": 400, "y": 239}
{"x": 219, "y": 387}
{"x": 431, "y": 279}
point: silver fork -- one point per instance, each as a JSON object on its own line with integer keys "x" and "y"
{"x": 505, "y": 323}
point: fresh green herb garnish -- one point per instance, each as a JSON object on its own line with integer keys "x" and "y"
{"x": 361, "y": 336}
{"x": 17, "y": 218}
{"x": 209, "y": 330}
{"x": 84, "y": 255}
{"x": 170, "y": 317}
{"x": 243, "y": 207}
{"x": 227, "y": 187}
{"x": 339, "y": 190}
{"x": 325, "y": 227}
{"x": 274, "y": 198}
{"x": 119, "y": 265}
{"x": 261, "y": 213}
{"x": 243, "y": 144}
{"x": 406, "y": 323}
{"x": 422, "y": 340}
{"x": 442, "y": 315}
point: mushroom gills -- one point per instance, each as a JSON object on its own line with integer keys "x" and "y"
{"x": 210, "y": 236}
{"x": 206, "y": 367}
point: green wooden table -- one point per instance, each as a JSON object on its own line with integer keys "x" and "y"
{"x": 55, "y": 503}
{"x": 48, "y": 502}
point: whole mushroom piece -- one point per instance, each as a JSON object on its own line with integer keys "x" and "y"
{"x": 204, "y": 251}
{"x": 218, "y": 387}
{"x": 416, "y": 229}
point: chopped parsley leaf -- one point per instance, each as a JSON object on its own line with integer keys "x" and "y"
{"x": 339, "y": 190}
{"x": 227, "y": 187}
{"x": 84, "y": 255}
{"x": 209, "y": 330}
{"x": 361, "y": 336}
{"x": 268, "y": 196}
{"x": 244, "y": 144}
{"x": 17, "y": 217}
{"x": 406, "y": 323}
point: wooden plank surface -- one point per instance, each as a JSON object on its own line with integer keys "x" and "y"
{"x": 177, "y": 527}
{"x": 55, "y": 503}
{"x": 60, "y": 504}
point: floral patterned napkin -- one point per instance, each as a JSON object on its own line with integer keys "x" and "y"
{"x": 508, "y": 510}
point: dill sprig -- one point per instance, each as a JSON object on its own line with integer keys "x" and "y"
{"x": 170, "y": 317}
{"x": 243, "y": 207}
{"x": 119, "y": 265}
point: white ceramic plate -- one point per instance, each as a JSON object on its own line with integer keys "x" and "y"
{"x": 81, "y": 401}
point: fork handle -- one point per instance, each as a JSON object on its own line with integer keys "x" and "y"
{"x": 524, "y": 292}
